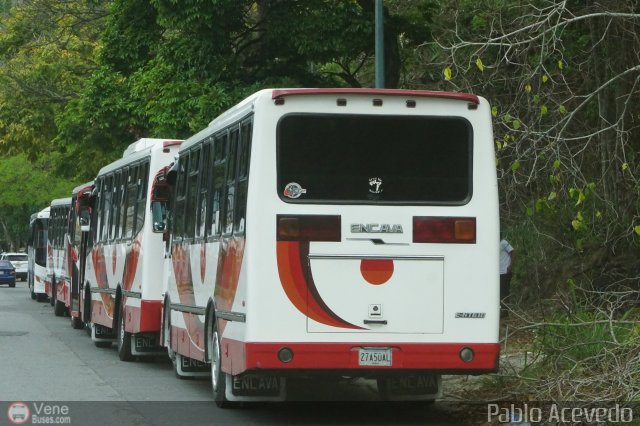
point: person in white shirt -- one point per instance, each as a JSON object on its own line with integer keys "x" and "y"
{"x": 507, "y": 257}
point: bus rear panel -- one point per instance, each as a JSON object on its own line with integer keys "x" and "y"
{"x": 364, "y": 242}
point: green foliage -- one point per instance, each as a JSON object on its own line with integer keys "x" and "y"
{"x": 26, "y": 188}
{"x": 568, "y": 340}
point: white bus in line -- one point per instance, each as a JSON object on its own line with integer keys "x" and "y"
{"x": 123, "y": 268}
{"x": 347, "y": 232}
{"x": 58, "y": 250}
{"x": 37, "y": 254}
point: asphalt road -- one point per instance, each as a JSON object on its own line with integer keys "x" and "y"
{"x": 60, "y": 376}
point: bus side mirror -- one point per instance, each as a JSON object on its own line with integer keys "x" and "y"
{"x": 158, "y": 216}
{"x": 84, "y": 225}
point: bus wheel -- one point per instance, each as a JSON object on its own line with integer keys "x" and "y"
{"x": 76, "y": 322}
{"x": 59, "y": 308}
{"x": 124, "y": 337}
{"x": 87, "y": 312}
{"x": 32, "y": 293}
{"x": 218, "y": 377}
{"x": 52, "y": 299}
{"x": 166, "y": 332}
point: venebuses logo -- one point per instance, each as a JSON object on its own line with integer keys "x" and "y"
{"x": 18, "y": 413}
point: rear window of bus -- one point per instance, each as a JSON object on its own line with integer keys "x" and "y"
{"x": 371, "y": 159}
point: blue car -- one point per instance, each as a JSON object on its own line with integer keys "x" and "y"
{"x": 7, "y": 273}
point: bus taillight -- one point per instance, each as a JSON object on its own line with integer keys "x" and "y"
{"x": 308, "y": 228}
{"x": 434, "y": 229}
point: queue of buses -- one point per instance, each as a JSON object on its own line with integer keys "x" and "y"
{"x": 304, "y": 232}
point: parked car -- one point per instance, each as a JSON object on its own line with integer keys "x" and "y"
{"x": 7, "y": 273}
{"x": 19, "y": 261}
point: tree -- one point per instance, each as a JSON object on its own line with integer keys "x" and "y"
{"x": 26, "y": 189}
{"x": 47, "y": 50}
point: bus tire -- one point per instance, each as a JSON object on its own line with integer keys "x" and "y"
{"x": 76, "y": 323}
{"x": 32, "y": 293}
{"x": 52, "y": 299}
{"x": 87, "y": 312}
{"x": 166, "y": 331}
{"x": 124, "y": 337}
{"x": 59, "y": 308}
{"x": 218, "y": 377}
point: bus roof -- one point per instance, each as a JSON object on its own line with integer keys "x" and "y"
{"x": 61, "y": 202}
{"x": 246, "y": 105}
{"x": 135, "y": 152}
{"x": 145, "y": 143}
{"x": 467, "y": 97}
{"x": 86, "y": 185}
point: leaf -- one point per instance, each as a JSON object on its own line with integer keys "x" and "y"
{"x": 581, "y": 198}
{"x": 576, "y": 224}
{"x": 516, "y": 124}
{"x": 498, "y": 144}
{"x": 529, "y": 211}
{"x": 494, "y": 111}
{"x": 625, "y": 166}
{"x": 562, "y": 109}
{"x": 543, "y": 110}
{"x": 556, "y": 164}
{"x": 552, "y": 196}
{"x": 447, "y": 73}
{"x": 545, "y": 78}
{"x": 636, "y": 229}
{"x": 515, "y": 166}
{"x": 561, "y": 64}
{"x": 527, "y": 88}
{"x": 479, "y": 64}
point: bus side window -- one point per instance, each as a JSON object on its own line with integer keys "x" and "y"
{"x": 142, "y": 184}
{"x": 243, "y": 176}
{"x": 180, "y": 202}
{"x": 131, "y": 203}
{"x": 97, "y": 212}
{"x": 217, "y": 194}
{"x": 231, "y": 181}
{"x": 106, "y": 207}
{"x": 122, "y": 209}
{"x": 203, "y": 200}
{"x": 192, "y": 193}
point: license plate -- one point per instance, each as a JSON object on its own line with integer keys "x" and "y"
{"x": 146, "y": 342}
{"x": 374, "y": 357}
{"x": 256, "y": 385}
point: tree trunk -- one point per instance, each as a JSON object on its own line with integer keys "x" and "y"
{"x": 7, "y": 235}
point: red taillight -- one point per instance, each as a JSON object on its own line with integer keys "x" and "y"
{"x": 308, "y": 228}
{"x": 433, "y": 229}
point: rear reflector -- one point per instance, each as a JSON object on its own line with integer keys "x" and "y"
{"x": 433, "y": 229}
{"x": 308, "y": 228}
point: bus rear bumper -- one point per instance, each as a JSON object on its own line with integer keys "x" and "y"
{"x": 440, "y": 358}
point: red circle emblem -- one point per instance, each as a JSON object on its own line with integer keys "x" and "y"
{"x": 376, "y": 271}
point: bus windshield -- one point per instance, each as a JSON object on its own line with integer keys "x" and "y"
{"x": 371, "y": 159}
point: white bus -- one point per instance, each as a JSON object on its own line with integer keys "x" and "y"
{"x": 123, "y": 271}
{"x": 37, "y": 253}
{"x": 79, "y": 226}
{"x": 58, "y": 250}
{"x": 346, "y": 232}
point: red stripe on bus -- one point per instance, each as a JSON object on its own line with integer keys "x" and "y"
{"x": 344, "y": 356}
